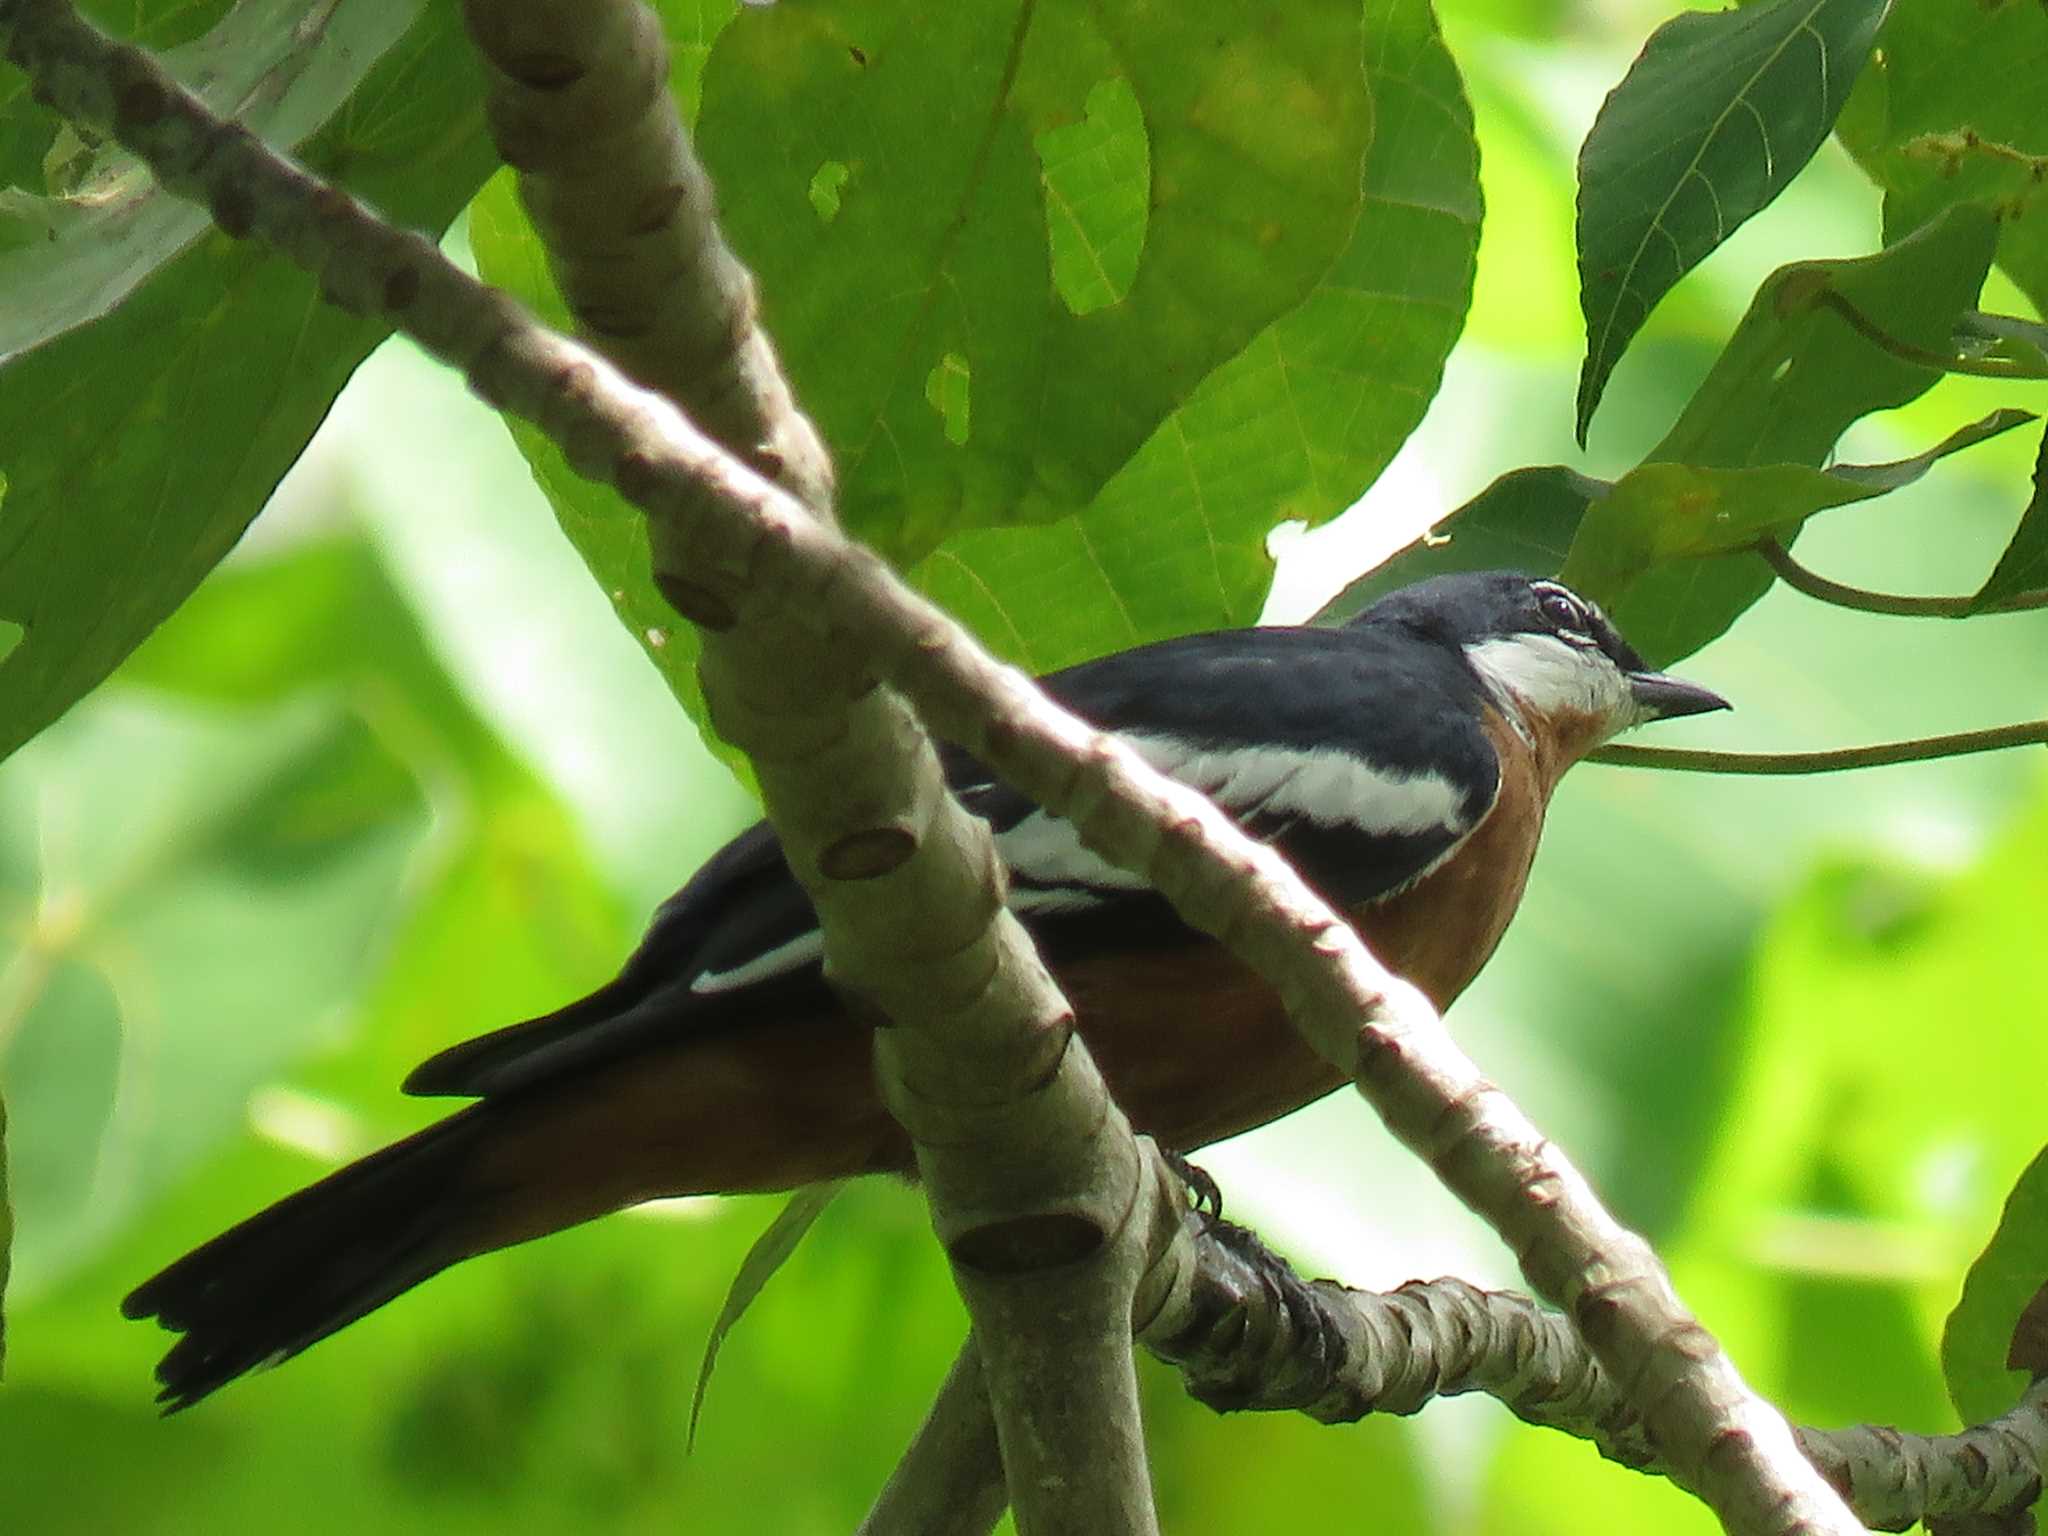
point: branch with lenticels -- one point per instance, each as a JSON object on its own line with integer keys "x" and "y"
{"x": 853, "y": 788}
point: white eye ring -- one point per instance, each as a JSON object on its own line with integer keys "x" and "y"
{"x": 1565, "y": 611}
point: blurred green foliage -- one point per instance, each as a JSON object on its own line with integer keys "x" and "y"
{"x": 309, "y": 834}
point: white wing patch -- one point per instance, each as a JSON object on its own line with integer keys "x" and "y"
{"x": 1322, "y": 785}
{"x": 1047, "y": 851}
{"x": 1551, "y": 676}
{"x": 1328, "y": 787}
{"x": 799, "y": 951}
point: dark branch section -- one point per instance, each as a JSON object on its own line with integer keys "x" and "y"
{"x": 1251, "y": 1334}
{"x": 1262, "y": 1338}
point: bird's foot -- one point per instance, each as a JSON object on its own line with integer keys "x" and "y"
{"x": 1203, "y": 1191}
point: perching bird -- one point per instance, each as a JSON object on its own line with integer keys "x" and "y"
{"x": 1402, "y": 763}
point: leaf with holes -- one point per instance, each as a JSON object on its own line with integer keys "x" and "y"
{"x": 1663, "y": 514}
{"x": 836, "y": 207}
{"x": 969, "y": 365}
{"x": 1294, "y": 427}
{"x": 159, "y": 381}
{"x": 1712, "y": 122}
{"x": 2023, "y": 568}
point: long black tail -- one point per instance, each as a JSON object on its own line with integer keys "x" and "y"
{"x": 291, "y": 1275}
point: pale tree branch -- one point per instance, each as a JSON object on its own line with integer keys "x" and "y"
{"x": 579, "y": 107}
{"x": 1030, "y": 1171}
{"x": 878, "y": 842}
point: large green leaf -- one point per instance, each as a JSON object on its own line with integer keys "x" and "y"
{"x": 1800, "y": 368}
{"x": 930, "y": 263}
{"x": 1712, "y": 122}
{"x": 1805, "y": 363}
{"x": 141, "y": 439}
{"x": 1951, "y": 111}
{"x": 1293, "y": 428}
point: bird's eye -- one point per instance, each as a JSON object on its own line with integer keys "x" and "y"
{"x": 1566, "y": 612}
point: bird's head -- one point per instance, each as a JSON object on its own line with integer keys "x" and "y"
{"x": 1545, "y": 654}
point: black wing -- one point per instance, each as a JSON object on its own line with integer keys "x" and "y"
{"x": 1358, "y": 755}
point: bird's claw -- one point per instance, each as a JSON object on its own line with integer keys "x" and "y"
{"x": 1204, "y": 1194}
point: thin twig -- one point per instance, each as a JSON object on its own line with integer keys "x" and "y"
{"x": 950, "y": 1481}
{"x": 1912, "y": 352}
{"x": 1803, "y": 579}
{"x": 1882, "y": 754}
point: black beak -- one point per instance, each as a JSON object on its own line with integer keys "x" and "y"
{"x": 1663, "y": 697}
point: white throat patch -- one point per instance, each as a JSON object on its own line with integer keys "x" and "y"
{"x": 1548, "y": 676}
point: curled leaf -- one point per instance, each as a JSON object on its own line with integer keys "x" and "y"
{"x": 770, "y": 1252}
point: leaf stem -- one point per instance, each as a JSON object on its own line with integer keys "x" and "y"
{"x": 1912, "y": 352}
{"x": 1881, "y": 754}
{"x": 1813, "y": 584}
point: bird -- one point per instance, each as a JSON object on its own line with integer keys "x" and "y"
{"x": 1402, "y": 762}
